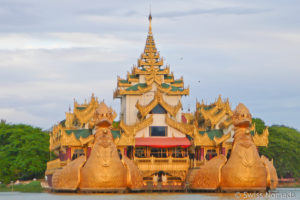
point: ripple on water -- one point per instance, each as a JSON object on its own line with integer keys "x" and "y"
{"x": 280, "y": 193}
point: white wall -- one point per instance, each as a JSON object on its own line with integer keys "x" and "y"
{"x": 131, "y": 110}
{"x": 142, "y": 79}
{"x": 123, "y": 109}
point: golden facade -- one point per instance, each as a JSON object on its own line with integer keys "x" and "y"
{"x": 244, "y": 170}
{"x": 156, "y": 142}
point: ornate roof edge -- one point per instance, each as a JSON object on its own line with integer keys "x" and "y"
{"x": 182, "y": 127}
{"x": 203, "y": 140}
{"x": 222, "y": 139}
{"x": 170, "y": 92}
{"x": 119, "y": 92}
{"x": 158, "y": 99}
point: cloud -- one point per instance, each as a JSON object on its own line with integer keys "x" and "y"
{"x": 44, "y": 103}
{"x": 54, "y": 51}
{"x": 212, "y": 11}
{"x": 108, "y": 12}
{"x": 59, "y": 40}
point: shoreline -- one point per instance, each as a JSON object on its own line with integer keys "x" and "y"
{"x": 289, "y": 185}
{"x": 39, "y": 187}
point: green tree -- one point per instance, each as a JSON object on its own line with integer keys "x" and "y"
{"x": 259, "y": 125}
{"x": 24, "y": 152}
{"x": 284, "y": 149}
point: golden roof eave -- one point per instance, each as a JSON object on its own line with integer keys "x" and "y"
{"x": 120, "y": 84}
{"x": 132, "y": 79}
{"x": 222, "y": 139}
{"x": 125, "y": 140}
{"x": 128, "y": 136}
{"x": 169, "y": 92}
{"x": 69, "y": 140}
{"x": 140, "y": 91}
{"x": 181, "y": 85}
{"x": 182, "y": 127}
{"x": 203, "y": 140}
{"x": 132, "y": 129}
{"x": 150, "y": 56}
{"x": 86, "y": 140}
{"x": 158, "y": 99}
{"x": 169, "y": 80}
{"x": 138, "y": 71}
{"x": 151, "y": 63}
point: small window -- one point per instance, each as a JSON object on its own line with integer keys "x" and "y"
{"x": 158, "y": 152}
{"x": 158, "y": 131}
{"x": 158, "y": 109}
{"x": 140, "y": 152}
{"x": 179, "y": 152}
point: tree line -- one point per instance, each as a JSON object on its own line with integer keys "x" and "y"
{"x": 283, "y": 148}
{"x": 24, "y": 152}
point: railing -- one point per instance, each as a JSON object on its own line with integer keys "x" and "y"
{"x": 197, "y": 163}
{"x": 169, "y": 186}
{"x": 166, "y": 164}
{"x": 57, "y": 163}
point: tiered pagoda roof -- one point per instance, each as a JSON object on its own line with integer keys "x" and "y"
{"x": 211, "y": 121}
{"x": 211, "y": 115}
{"x": 77, "y": 128}
{"x": 150, "y": 67}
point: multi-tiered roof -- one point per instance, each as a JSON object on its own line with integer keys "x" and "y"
{"x": 150, "y": 70}
{"x": 208, "y": 130}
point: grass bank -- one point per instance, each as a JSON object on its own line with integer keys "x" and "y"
{"x": 34, "y": 186}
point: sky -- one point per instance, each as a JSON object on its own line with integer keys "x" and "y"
{"x": 54, "y": 51}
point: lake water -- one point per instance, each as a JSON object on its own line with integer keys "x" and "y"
{"x": 280, "y": 193}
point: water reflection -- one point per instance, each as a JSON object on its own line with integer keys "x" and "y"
{"x": 281, "y": 193}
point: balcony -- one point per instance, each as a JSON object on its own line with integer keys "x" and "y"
{"x": 165, "y": 164}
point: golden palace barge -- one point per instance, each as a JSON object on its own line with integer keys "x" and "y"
{"x": 154, "y": 145}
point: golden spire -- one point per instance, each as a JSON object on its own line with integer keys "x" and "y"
{"x": 150, "y": 25}
{"x": 150, "y": 60}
